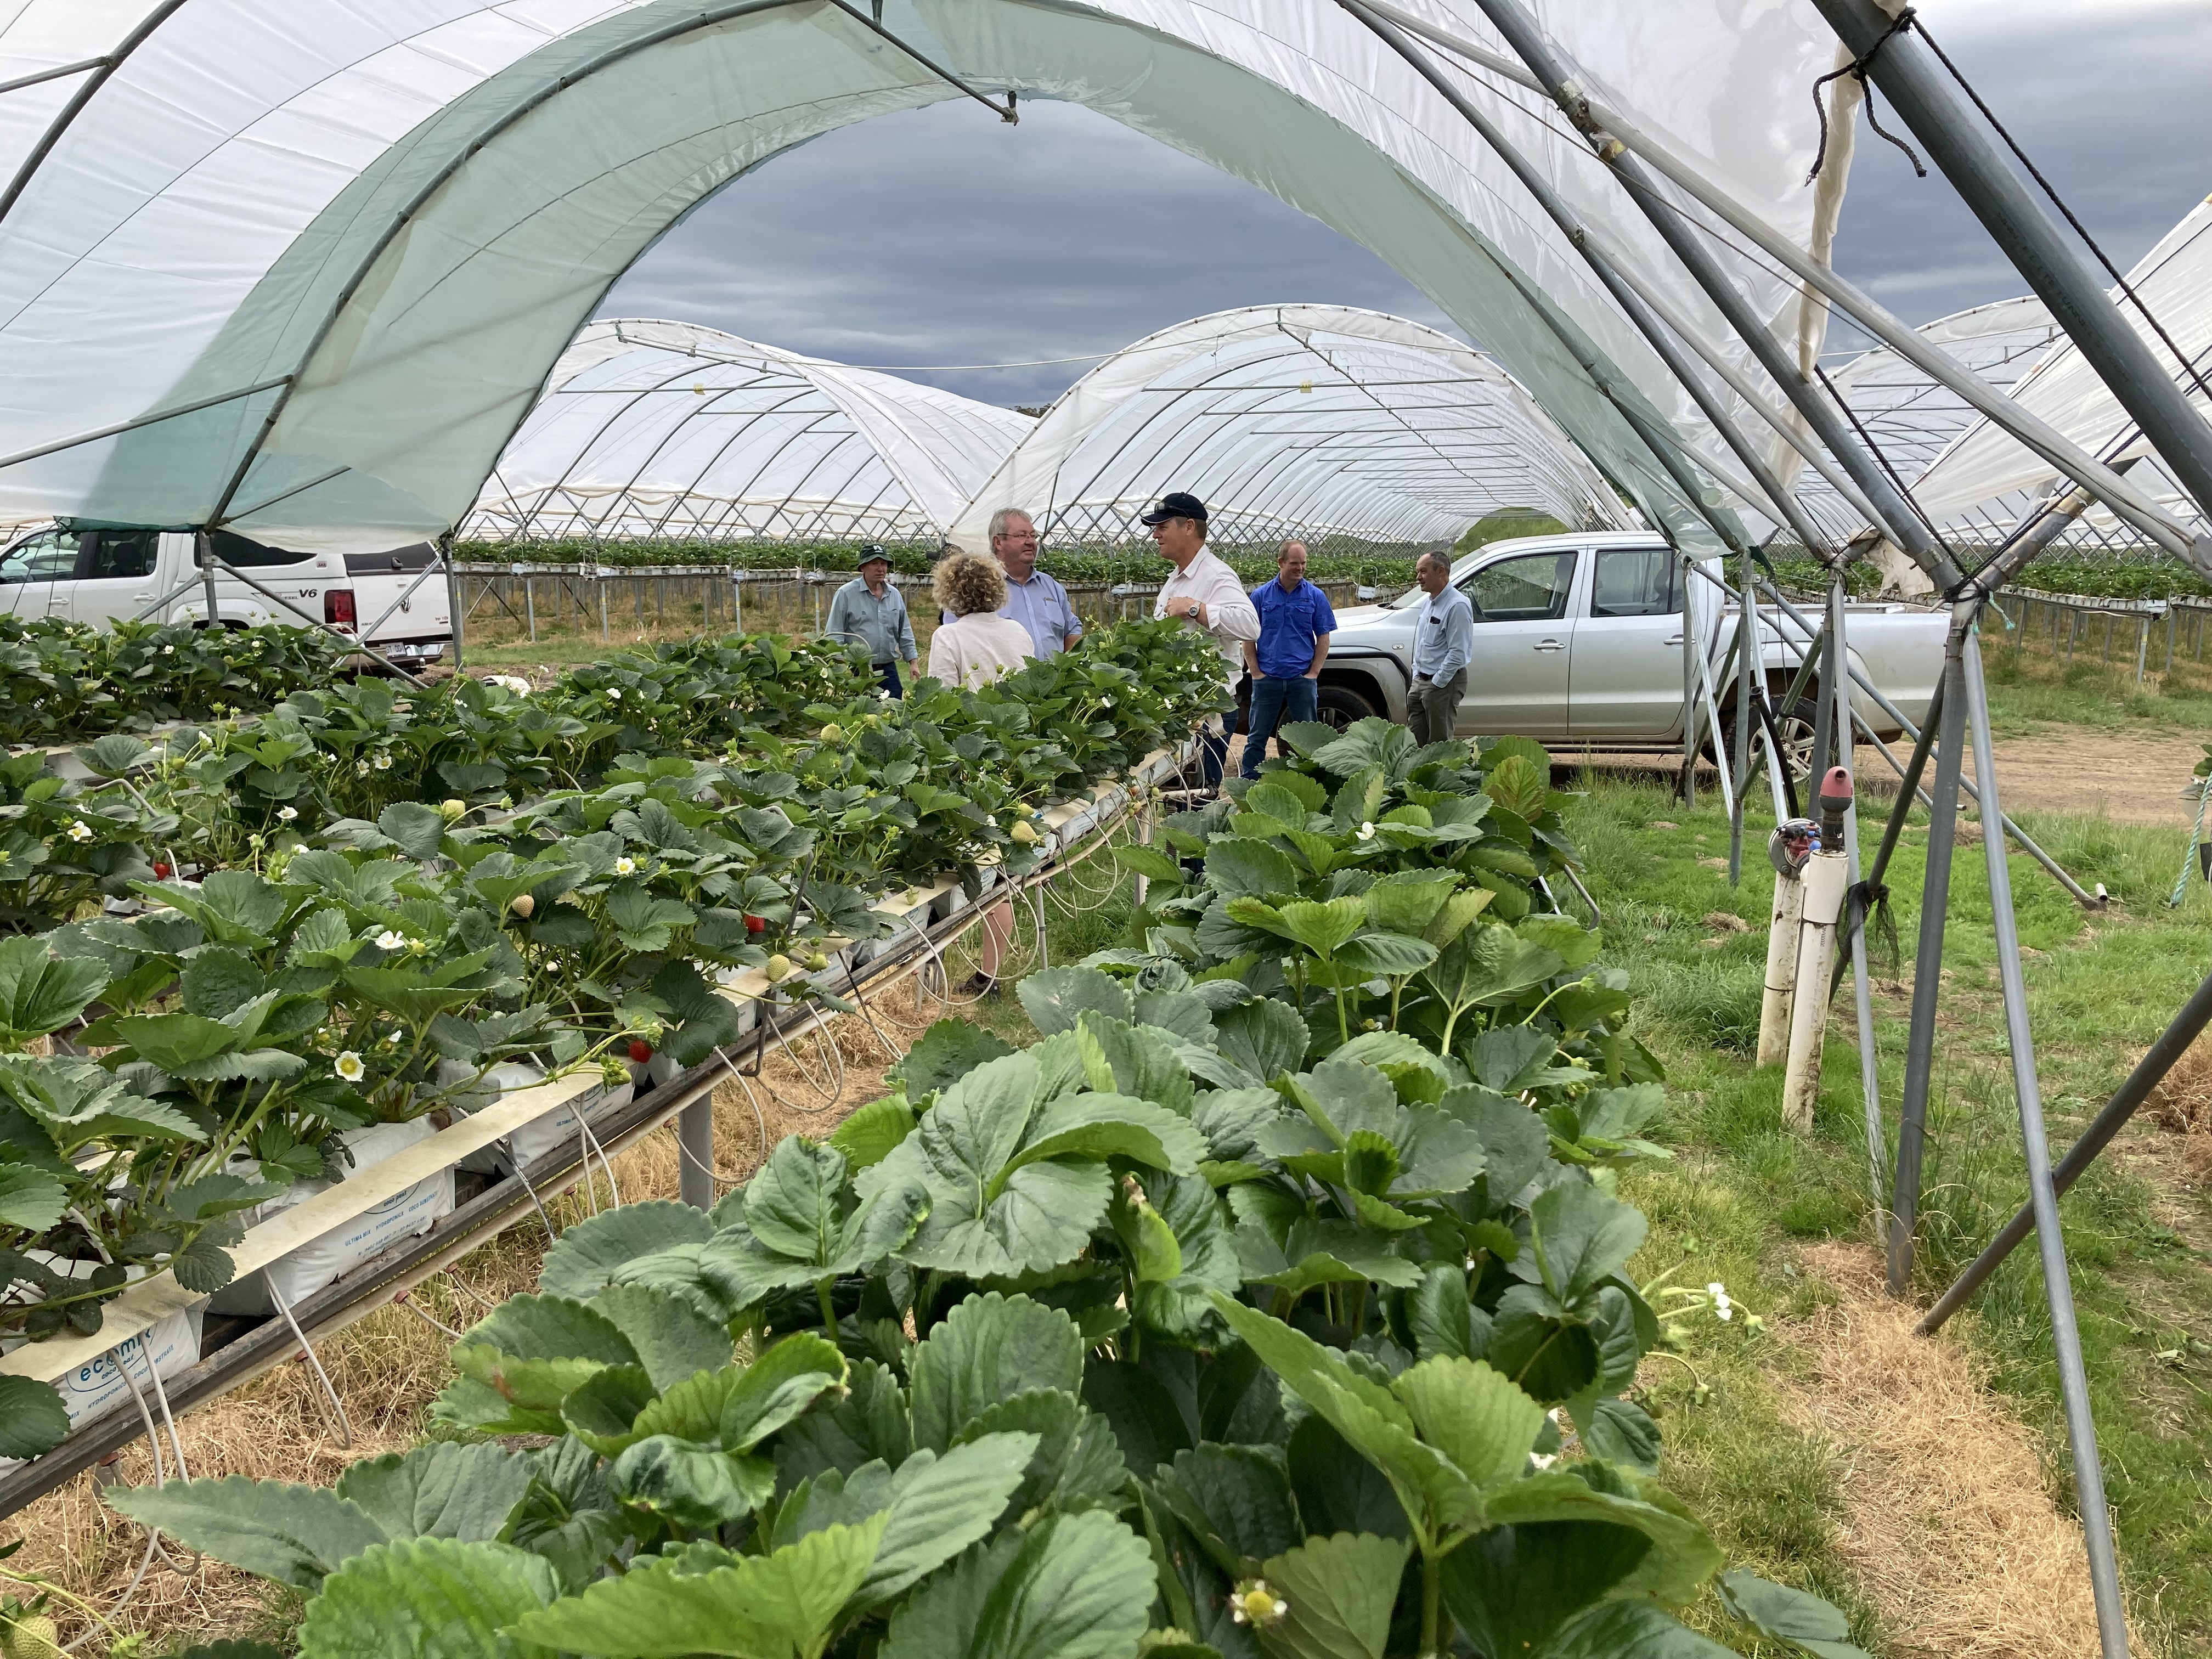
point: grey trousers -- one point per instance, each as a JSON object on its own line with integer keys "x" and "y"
{"x": 1433, "y": 710}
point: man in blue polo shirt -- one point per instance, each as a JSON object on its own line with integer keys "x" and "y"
{"x": 1285, "y": 661}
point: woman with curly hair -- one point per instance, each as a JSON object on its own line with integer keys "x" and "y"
{"x": 978, "y": 645}
{"x": 976, "y": 648}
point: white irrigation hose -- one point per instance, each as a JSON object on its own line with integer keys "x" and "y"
{"x": 551, "y": 1232}
{"x": 586, "y": 1139}
{"x": 409, "y": 1302}
{"x": 152, "y": 1536}
{"x": 329, "y": 1391}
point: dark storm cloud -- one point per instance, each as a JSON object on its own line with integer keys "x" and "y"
{"x": 946, "y": 237}
{"x": 943, "y": 236}
{"x": 2109, "y": 99}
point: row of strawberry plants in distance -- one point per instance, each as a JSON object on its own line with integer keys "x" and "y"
{"x": 62, "y": 681}
{"x": 300, "y": 948}
{"x": 1274, "y": 1304}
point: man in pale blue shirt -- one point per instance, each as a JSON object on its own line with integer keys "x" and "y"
{"x": 1444, "y": 640}
{"x": 1034, "y": 599}
{"x": 869, "y": 615}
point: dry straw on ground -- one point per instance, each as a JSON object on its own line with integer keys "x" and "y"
{"x": 2182, "y": 1101}
{"x": 1949, "y": 1519}
{"x": 388, "y": 1367}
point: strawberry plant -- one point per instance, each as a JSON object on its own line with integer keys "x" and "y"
{"x": 1002, "y": 1367}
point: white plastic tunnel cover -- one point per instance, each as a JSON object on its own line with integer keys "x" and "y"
{"x": 338, "y": 247}
{"x": 1311, "y": 420}
{"x": 668, "y": 430}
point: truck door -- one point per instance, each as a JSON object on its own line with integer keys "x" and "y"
{"x": 1626, "y": 683}
{"x": 33, "y": 572}
{"x": 1517, "y": 679}
{"x": 114, "y": 575}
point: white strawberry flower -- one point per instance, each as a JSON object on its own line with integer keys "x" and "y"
{"x": 350, "y": 1068}
{"x": 79, "y": 829}
{"x": 614, "y": 694}
{"x": 391, "y": 939}
{"x": 288, "y": 813}
{"x": 1723, "y": 1308}
{"x": 381, "y": 761}
{"x": 1253, "y": 1603}
{"x": 625, "y": 867}
{"x": 1367, "y": 832}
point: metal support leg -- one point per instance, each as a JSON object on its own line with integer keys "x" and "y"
{"x": 1748, "y": 663}
{"x": 1928, "y": 960}
{"x": 695, "y": 1134}
{"x": 530, "y": 605}
{"x": 1826, "y": 740}
{"x": 2043, "y": 1198}
{"x": 452, "y": 596}
{"x": 1690, "y": 712}
{"x": 1862, "y": 990}
{"x": 1875, "y": 696}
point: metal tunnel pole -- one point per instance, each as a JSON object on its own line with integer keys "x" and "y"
{"x": 2043, "y": 1198}
{"x": 1933, "y": 106}
{"x": 1928, "y": 956}
{"x": 1899, "y": 520}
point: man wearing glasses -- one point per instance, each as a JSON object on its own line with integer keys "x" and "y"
{"x": 1034, "y": 599}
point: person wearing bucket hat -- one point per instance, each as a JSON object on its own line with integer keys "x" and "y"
{"x": 870, "y": 615}
{"x": 1205, "y": 593}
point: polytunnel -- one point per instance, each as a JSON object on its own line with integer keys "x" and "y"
{"x": 657, "y": 429}
{"x": 1913, "y": 416}
{"x": 1314, "y": 420}
{"x": 1984, "y": 479}
{"x": 303, "y": 268}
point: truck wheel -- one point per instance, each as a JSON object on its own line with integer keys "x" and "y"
{"x": 1340, "y": 706}
{"x": 1796, "y": 725}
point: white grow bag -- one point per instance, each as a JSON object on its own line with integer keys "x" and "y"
{"x": 562, "y": 1127}
{"x": 96, "y": 1388}
{"x": 360, "y": 1238}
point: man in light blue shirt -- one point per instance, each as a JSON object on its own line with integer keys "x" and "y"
{"x": 869, "y": 615}
{"x": 1444, "y": 640}
{"x": 1033, "y": 598}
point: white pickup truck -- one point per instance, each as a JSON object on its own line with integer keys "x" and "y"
{"x": 397, "y": 601}
{"x": 1578, "y": 640}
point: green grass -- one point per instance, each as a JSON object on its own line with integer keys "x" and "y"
{"x": 1744, "y": 1192}
{"x": 2031, "y": 690}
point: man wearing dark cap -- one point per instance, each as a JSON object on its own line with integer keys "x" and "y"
{"x": 1205, "y": 593}
{"x": 869, "y": 614}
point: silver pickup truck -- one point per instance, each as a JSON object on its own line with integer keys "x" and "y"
{"x": 1578, "y": 640}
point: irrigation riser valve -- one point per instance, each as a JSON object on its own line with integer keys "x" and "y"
{"x": 1825, "y": 884}
{"x": 1787, "y": 848}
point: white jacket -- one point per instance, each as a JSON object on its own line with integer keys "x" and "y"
{"x": 1230, "y": 617}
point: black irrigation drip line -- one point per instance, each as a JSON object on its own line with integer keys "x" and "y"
{"x": 2188, "y": 365}
{"x": 1859, "y": 67}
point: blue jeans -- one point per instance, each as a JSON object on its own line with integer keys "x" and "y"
{"x": 1276, "y": 703}
{"x": 890, "y": 671}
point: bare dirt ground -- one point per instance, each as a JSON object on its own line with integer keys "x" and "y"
{"x": 2129, "y": 777}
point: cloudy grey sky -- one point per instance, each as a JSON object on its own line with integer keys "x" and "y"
{"x": 943, "y": 237}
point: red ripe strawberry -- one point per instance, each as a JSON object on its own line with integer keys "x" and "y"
{"x": 160, "y": 872}
{"x": 639, "y": 1050}
{"x": 755, "y": 924}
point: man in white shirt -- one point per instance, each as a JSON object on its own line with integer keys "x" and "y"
{"x": 1207, "y": 594}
